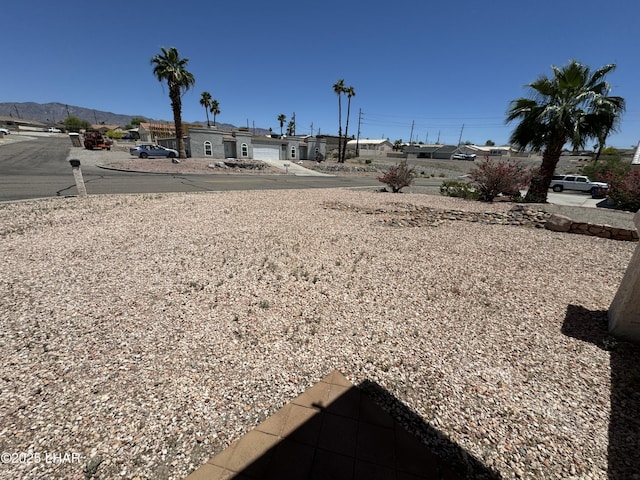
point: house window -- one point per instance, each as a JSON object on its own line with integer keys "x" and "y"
{"x": 244, "y": 149}
{"x": 293, "y": 153}
{"x": 208, "y": 151}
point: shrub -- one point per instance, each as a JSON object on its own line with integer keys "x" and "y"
{"x": 624, "y": 189}
{"x": 398, "y": 176}
{"x": 454, "y": 188}
{"x": 492, "y": 178}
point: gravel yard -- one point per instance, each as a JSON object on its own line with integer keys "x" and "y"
{"x": 144, "y": 333}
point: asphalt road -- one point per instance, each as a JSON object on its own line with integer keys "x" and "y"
{"x": 38, "y": 168}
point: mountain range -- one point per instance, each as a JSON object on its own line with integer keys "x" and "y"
{"x": 55, "y": 113}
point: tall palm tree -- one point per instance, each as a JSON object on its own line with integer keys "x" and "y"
{"x": 571, "y": 107}
{"x": 205, "y": 101}
{"x": 350, "y": 92}
{"x": 338, "y": 89}
{"x": 282, "y": 118}
{"x": 215, "y": 109}
{"x": 169, "y": 67}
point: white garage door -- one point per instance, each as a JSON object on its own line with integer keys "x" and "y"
{"x": 266, "y": 153}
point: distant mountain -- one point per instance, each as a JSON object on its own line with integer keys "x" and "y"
{"x": 52, "y": 113}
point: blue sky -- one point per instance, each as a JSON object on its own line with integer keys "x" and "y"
{"x": 438, "y": 66}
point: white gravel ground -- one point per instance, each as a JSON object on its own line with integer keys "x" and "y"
{"x": 145, "y": 333}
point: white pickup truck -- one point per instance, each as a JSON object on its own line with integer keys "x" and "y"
{"x": 576, "y": 182}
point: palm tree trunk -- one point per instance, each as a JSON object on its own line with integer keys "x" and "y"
{"x": 206, "y": 110}
{"x": 339, "y": 128}
{"x": 539, "y": 185}
{"x": 176, "y": 106}
{"x": 346, "y": 130}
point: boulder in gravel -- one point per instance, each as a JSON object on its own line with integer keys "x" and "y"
{"x": 558, "y": 223}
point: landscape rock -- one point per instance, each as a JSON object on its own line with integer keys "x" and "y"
{"x": 558, "y": 223}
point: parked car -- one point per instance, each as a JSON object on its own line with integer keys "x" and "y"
{"x": 5, "y": 131}
{"x": 464, "y": 156}
{"x": 580, "y": 183}
{"x": 150, "y": 150}
{"x": 54, "y": 130}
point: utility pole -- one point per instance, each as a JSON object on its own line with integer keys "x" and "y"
{"x": 358, "y": 137}
{"x": 411, "y": 135}
{"x": 311, "y": 128}
{"x": 460, "y": 138}
{"x": 17, "y": 112}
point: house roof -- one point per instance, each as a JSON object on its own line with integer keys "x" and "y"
{"x": 486, "y": 148}
{"x": 369, "y": 141}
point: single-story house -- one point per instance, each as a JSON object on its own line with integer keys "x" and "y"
{"x": 369, "y": 146}
{"x": 204, "y": 142}
{"x": 492, "y": 151}
{"x": 437, "y": 151}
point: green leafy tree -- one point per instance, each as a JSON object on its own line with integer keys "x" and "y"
{"x": 137, "y": 121}
{"x": 215, "y": 110}
{"x": 205, "y": 101}
{"x": 571, "y": 107}
{"x": 489, "y": 143}
{"x": 282, "y": 118}
{"x": 397, "y": 145}
{"x": 338, "y": 89}
{"x": 74, "y": 124}
{"x": 169, "y": 67}
{"x": 349, "y": 92}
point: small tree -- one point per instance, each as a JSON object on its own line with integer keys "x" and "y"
{"x": 398, "y": 176}
{"x": 491, "y": 178}
{"x": 74, "y": 124}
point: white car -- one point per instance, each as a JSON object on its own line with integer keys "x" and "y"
{"x": 576, "y": 182}
{"x": 54, "y": 130}
{"x": 5, "y": 131}
{"x": 464, "y": 156}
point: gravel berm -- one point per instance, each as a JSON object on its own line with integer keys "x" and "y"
{"x": 144, "y": 333}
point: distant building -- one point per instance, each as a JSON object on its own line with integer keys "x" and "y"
{"x": 369, "y": 146}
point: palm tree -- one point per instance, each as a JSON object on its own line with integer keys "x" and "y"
{"x": 350, "y": 92}
{"x": 282, "y": 118}
{"x": 291, "y": 128}
{"x": 205, "y": 101}
{"x": 215, "y": 109}
{"x": 571, "y": 107}
{"x": 169, "y": 67}
{"x": 338, "y": 89}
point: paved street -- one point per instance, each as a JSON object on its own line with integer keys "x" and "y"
{"x": 36, "y": 166}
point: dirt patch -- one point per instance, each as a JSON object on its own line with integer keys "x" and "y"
{"x": 188, "y": 165}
